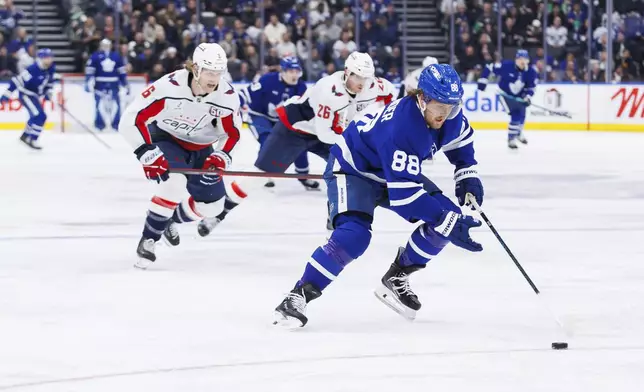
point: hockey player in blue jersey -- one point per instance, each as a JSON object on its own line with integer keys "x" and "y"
{"x": 517, "y": 81}
{"x": 264, "y": 96}
{"x": 377, "y": 162}
{"x": 34, "y": 84}
{"x": 105, "y": 74}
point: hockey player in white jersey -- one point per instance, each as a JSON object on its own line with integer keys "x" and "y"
{"x": 411, "y": 81}
{"x": 173, "y": 124}
{"x": 313, "y": 122}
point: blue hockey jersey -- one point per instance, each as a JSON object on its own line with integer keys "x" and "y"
{"x": 388, "y": 145}
{"x": 34, "y": 81}
{"x": 512, "y": 80}
{"x": 106, "y": 69}
{"x": 269, "y": 92}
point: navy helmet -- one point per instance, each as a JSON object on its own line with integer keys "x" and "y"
{"x": 441, "y": 83}
{"x": 290, "y": 62}
{"x": 522, "y": 54}
{"x": 44, "y": 52}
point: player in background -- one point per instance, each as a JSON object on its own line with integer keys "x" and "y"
{"x": 265, "y": 96}
{"x": 313, "y": 122}
{"x": 173, "y": 124}
{"x": 377, "y": 162}
{"x": 517, "y": 81}
{"x": 34, "y": 84}
{"x": 105, "y": 74}
{"x": 411, "y": 81}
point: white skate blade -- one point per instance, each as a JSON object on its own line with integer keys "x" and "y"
{"x": 286, "y": 322}
{"x": 142, "y": 264}
{"x": 388, "y": 298}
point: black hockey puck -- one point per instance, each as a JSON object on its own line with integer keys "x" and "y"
{"x": 559, "y": 345}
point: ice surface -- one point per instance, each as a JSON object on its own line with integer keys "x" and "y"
{"x": 75, "y": 315}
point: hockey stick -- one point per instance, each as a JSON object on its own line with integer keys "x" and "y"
{"x": 85, "y": 128}
{"x": 470, "y": 199}
{"x": 199, "y": 172}
{"x": 520, "y": 100}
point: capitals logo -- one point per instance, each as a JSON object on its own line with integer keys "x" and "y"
{"x": 335, "y": 92}
{"x": 171, "y": 79}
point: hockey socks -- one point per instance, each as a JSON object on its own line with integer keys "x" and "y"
{"x": 349, "y": 241}
{"x": 423, "y": 245}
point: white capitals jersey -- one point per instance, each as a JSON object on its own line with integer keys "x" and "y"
{"x": 194, "y": 122}
{"x": 326, "y": 109}
{"x": 411, "y": 81}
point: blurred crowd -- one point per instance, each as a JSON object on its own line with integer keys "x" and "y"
{"x": 566, "y": 34}
{"x": 157, "y": 37}
{"x": 17, "y": 50}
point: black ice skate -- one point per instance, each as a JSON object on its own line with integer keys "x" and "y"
{"x": 206, "y": 225}
{"x": 30, "y": 142}
{"x": 396, "y": 292}
{"x": 145, "y": 251}
{"x": 291, "y": 312}
{"x": 521, "y": 138}
{"x": 512, "y": 144}
{"x": 310, "y": 185}
{"x": 171, "y": 235}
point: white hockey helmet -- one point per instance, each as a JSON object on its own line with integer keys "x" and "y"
{"x": 429, "y": 60}
{"x": 360, "y": 64}
{"x": 209, "y": 56}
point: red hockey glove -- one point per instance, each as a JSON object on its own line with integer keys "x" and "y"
{"x": 154, "y": 163}
{"x": 217, "y": 161}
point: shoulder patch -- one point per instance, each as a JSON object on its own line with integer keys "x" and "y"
{"x": 335, "y": 92}
{"x": 172, "y": 80}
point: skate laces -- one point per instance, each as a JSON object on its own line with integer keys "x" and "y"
{"x": 172, "y": 229}
{"x": 403, "y": 286}
{"x": 297, "y": 301}
{"x": 148, "y": 245}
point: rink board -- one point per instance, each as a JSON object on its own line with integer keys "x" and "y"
{"x": 600, "y": 107}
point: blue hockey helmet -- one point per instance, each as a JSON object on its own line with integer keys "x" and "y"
{"x": 522, "y": 54}
{"x": 44, "y": 53}
{"x": 290, "y": 62}
{"x": 441, "y": 83}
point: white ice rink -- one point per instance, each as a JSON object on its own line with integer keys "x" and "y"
{"x": 75, "y": 315}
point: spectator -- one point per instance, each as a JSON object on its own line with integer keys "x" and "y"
{"x": 342, "y": 58}
{"x": 330, "y": 70}
{"x": 286, "y": 47}
{"x": 252, "y": 57}
{"x": 467, "y": 64}
{"x": 534, "y": 34}
{"x": 369, "y": 35}
{"x": 90, "y": 36}
{"x": 150, "y": 29}
{"x": 187, "y": 43}
{"x": 391, "y": 16}
{"x": 218, "y": 32}
{"x": 395, "y": 60}
{"x": 160, "y": 44}
{"x": 245, "y": 75}
{"x": 7, "y": 63}
{"x": 319, "y": 12}
{"x": 274, "y": 31}
{"x": 25, "y": 58}
{"x": 597, "y": 75}
{"x": 365, "y": 12}
{"x": 9, "y": 17}
{"x": 157, "y": 72}
{"x": 556, "y": 35}
{"x": 108, "y": 28}
{"x": 195, "y": 28}
{"x": 393, "y": 75}
{"x": 317, "y": 65}
{"x": 272, "y": 61}
{"x": 171, "y": 61}
{"x": 229, "y": 46}
{"x": 328, "y": 32}
{"x": 302, "y": 49}
{"x": 630, "y": 69}
{"x": 299, "y": 29}
{"x": 511, "y": 36}
{"x": 255, "y": 31}
{"x": 345, "y": 43}
{"x": 342, "y": 18}
{"x": 388, "y": 31}
{"x": 144, "y": 62}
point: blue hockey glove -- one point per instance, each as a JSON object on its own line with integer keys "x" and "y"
{"x": 47, "y": 96}
{"x": 526, "y": 101}
{"x": 127, "y": 90}
{"x": 456, "y": 228}
{"x": 482, "y": 86}
{"x": 4, "y": 98}
{"x": 467, "y": 181}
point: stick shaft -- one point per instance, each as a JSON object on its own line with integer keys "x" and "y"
{"x": 503, "y": 244}
{"x": 198, "y": 172}
{"x": 85, "y": 128}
